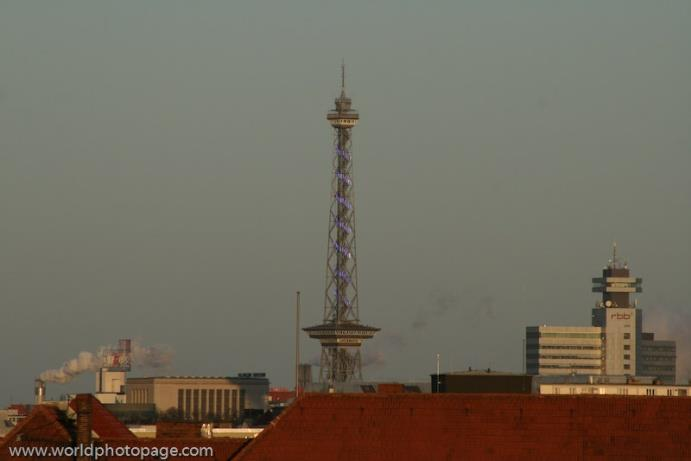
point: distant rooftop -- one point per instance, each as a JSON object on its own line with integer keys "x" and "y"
{"x": 486, "y": 371}
{"x": 257, "y": 376}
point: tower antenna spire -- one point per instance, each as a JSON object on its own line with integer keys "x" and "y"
{"x": 342, "y": 77}
{"x": 614, "y": 254}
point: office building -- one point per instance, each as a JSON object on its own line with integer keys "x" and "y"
{"x": 553, "y": 350}
{"x": 614, "y": 345}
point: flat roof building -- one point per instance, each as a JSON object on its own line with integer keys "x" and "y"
{"x": 657, "y": 358}
{"x": 556, "y": 350}
{"x": 200, "y": 398}
{"x": 481, "y": 381}
{"x": 656, "y": 390}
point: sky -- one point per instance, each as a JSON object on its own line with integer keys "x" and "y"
{"x": 165, "y": 174}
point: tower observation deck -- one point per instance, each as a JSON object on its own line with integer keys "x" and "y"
{"x": 341, "y": 334}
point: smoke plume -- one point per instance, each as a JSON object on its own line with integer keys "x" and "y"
{"x": 478, "y": 304}
{"x": 85, "y": 361}
{"x": 151, "y": 356}
{"x": 373, "y": 358}
{"x": 141, "y": 356}
{"x": 438, "y": 305}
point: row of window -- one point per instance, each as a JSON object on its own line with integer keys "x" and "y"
{"x": 622, "y": 391}
{"x": 659, "y": 368}
{"x": 202, "y": 404}
{"x": 563, "y": 357}
{"x": 535, "y": 334}
{"x": 659, "y": 358}
{"x": 570, "y": 367}
{"x": 580, "y": 348}
{"x": 139, "y": 396}
{"x": 658, "y": 349}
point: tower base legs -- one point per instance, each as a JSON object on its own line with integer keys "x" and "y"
{"x": 340, "y": 365}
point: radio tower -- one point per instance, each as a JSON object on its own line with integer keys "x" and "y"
{"x": 341, "y": 333}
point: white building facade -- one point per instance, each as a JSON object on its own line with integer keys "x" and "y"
{"x": 555, "y": 350}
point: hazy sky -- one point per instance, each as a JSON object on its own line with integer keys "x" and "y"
{"x": 165, "y": 175}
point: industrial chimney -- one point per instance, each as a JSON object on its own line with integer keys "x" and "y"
{"x": 39, "y": 391}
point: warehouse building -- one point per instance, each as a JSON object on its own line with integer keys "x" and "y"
{"x": 198, "y": 398}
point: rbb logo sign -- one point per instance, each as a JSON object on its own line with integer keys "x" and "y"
{"x": 619, "y": 316}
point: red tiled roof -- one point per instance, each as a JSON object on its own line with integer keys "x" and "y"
{"x": 223, "y": 448}
{"x": 104, "y": 424}
{"x": 44, "y": 426}
{"x": 44, "y": 423}
{"x": 475, "y": 426}
{"x": 390, "y": 388}
{"x": 281, "y": 395}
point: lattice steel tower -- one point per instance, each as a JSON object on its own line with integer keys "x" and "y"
{"x": 341, "y": 333}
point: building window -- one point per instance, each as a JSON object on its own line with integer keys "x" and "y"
{"x": 226, "y": 408}
{"x": 195, "y": 404}
{"x": 627, "y": 335}
{"x": 234, "y": 403}
{"x": 181, "y": 400}
{"x": 682, "y": 393}
{"x": 243, "y": 394}
{"x": 669, "y": 392}
{"x": 219, "y": 403}
{"x": 627, "y": 366}
{"x": 627, "y": 347}
{"x": 212, "y": 409}
{"x": 188, "y": 403}
{"x": 627, "y": 357}
{"x": 203, "y": 410}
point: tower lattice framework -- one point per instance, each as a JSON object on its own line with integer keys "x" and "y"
{"x": 341, "y": 333}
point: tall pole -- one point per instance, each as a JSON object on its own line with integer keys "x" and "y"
{"x": 297, "y": 344}
{"x": 438, "y": 377}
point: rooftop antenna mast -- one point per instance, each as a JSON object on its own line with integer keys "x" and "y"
{"x": 614, "y": 255}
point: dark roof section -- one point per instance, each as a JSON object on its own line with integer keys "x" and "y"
{"x": 406, "y": 426}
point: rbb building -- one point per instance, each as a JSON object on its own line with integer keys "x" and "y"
{"x": 615, "y": 345}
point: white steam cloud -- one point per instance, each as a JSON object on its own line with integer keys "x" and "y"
{"x": 141, "y": 356}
